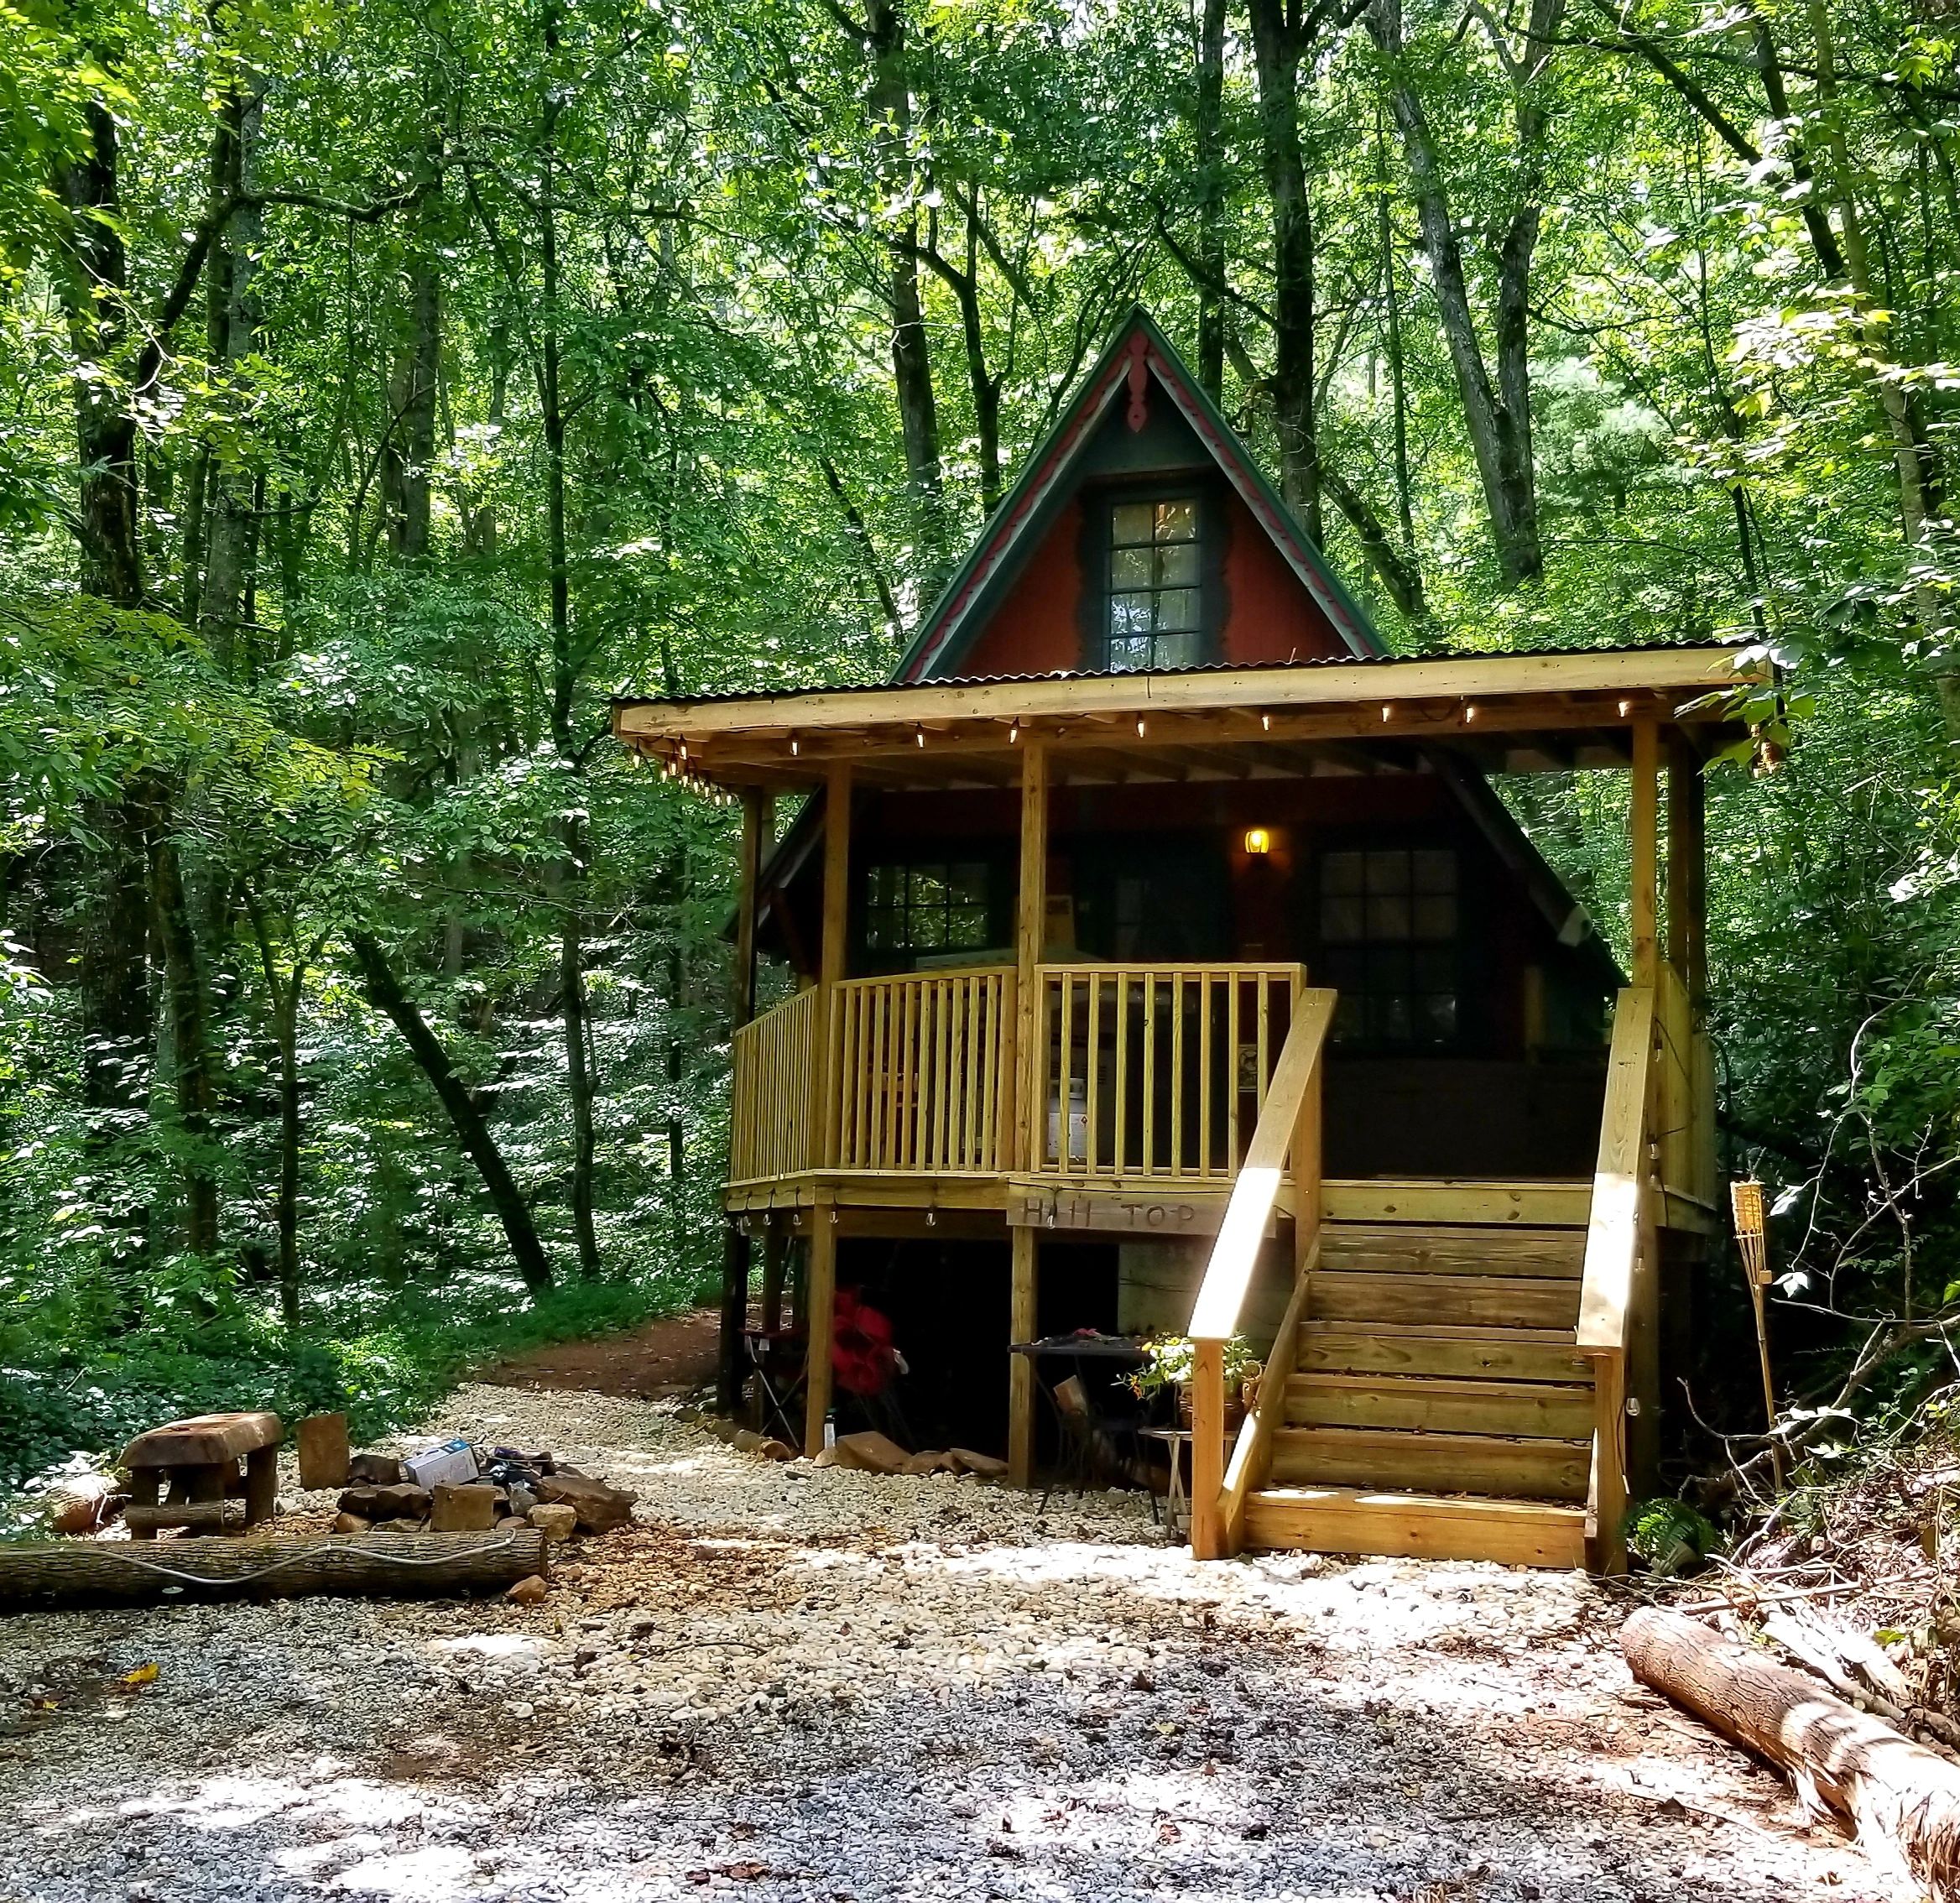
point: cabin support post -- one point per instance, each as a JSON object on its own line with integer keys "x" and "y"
{"x": 1687, "y": 949}
{"x": 736, "y": 1254}
{"x": 820, "y": 1306}
{"x": 1024, "y": 1078}
{"x": 820, "y": 1300}
{"x": 1022, "y": 1305}
{"x": 1644, "y": 899}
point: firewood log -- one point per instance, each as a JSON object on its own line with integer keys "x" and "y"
{"x": 1902, "y": 1800}
{"x": 198, "y": 1516}
{"x": 272, "y": 1565}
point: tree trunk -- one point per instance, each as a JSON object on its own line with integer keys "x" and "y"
{"x": 565, "y": 673}
{"x": 410, "y": 451}
{"x": 194, "y": 1083}
{"x": 1276, "y": 53}
{"x": 286, "y": 1009}
{"x": 229, "y": 515}
{"x": 891, "y": 113}
{"x": 93, "y": 283}
{"x": 1903, "y": 1799}
{"x": 1210, "y": 141}
{"x": 385, "y": 989}
{"x": 1499, "y": 438}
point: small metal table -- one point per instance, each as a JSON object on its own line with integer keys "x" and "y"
{"x": 1176, "y": 1497}
{"x": 1081, "y": 1464}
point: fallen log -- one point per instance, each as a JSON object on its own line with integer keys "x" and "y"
{"x": 1902, "y": 1800}
{"x": 271, "y": 1566}
{"x": 200, "y": 1516}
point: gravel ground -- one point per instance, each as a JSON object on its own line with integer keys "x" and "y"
{"x": 790, "y": 1683}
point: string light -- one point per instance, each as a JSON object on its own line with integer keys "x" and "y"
{"x": 1388, "y": 714}
{"x": 1469, "y": 713}
{"x": 919, "y": 734}
{"x": 1266, "y": 722}
{"x": 1140, "y": 726}
{"x": 1013, "y": 734}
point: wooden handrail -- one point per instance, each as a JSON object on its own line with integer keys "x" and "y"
{"x": 1228, "y": 1274}
{"x": 1620, "y": 1270}
{"x": 1252, "y": 1452}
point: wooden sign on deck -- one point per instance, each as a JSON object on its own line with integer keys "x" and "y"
{"x": 1122, "y": 1212}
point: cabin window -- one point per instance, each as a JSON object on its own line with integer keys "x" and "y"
{"x": 914, "y": 911}
{"x": 1389, "y": 928}
{"x": 1156, "y": 597}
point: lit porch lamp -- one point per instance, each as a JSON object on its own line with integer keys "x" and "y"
{"x": 1257, "y": 841}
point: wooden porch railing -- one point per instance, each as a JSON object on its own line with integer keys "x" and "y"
{"x": 920, "y": 1066}
{"x": 772, "y": 1129}
{"x": 1619, "y": 1294}
{"x": 1158, "y": 1071}
{"x": 1289, "y": 1127}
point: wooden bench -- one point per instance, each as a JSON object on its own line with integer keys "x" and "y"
{"x": 198, "y": 1459}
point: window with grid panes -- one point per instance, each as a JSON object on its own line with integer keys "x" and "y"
{"x": 1155, "y": 600}
{"x": 1388, "y": 920}
{"x": 910, "y": 909}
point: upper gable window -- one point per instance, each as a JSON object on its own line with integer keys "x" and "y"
{"x": 1156, "y": 604}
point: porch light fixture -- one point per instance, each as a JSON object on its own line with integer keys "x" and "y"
{"x": 1257, "y": 841}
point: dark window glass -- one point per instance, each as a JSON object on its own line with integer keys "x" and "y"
{"x": 940, "y": 907}
{"x": 1155, "y": 603}
{"x": 1388, "y": 930}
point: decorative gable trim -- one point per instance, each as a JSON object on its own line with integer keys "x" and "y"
{"x": 1139, "y": 350}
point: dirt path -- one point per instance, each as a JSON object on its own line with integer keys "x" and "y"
{"x": 790, "y": 1683}
{"x": 659, "y": 1360}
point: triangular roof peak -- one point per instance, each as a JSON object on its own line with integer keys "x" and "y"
{"x": 1138, "y": 358}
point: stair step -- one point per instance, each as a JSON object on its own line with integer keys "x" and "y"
{"x": 1467, "y": 1464}
{"x": 1540, "y": 1409}
{"x": 1516, "y": 1354}
{"x": 1411, "y": 1526}
{"x": 1548, "y": 1201}
{"x": 1361, "y": 1248}
{"x": 1493, "y": 1302}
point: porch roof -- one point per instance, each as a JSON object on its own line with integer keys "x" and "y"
{"x": 1512, "y": 712}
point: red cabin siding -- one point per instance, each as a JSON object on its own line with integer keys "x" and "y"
{"x": 1038, "y": 630}
{"x": 1268, "y": 616}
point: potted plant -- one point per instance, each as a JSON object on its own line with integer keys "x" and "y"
{"x": 1168, "y": 1361}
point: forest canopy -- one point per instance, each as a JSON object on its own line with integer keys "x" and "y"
{"x": 383, "y": 387}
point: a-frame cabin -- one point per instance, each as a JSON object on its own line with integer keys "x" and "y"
{"x": 1163, "y": 960}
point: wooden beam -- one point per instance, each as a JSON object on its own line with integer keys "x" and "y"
{"x": 820, "y": 1316}
{"x": 730, "y": 1369}
{"x": 833, "y": 948}
{"x": 1687, "y": 869}
{"x": 757, "y": 809}
{"x": 1031, "y": 933}
{"x": 1644, "y": 899}
{"x": 1023, "y": 1307}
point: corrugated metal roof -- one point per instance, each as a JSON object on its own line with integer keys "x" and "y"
{"x": 1313, "y": 662}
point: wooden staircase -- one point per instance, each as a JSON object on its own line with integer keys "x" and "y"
{"x": 1437, "y": 1407}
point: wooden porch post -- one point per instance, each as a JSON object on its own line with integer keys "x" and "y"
{"x": 729, "y": 1374}
{"x": 1644, "y": 897}
{"x": 823, "y": 1241}
{"x": 1030, "y": 1032}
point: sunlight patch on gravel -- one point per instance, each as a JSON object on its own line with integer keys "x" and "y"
{"x": 792, "y": 1683}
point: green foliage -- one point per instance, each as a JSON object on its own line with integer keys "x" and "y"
{"x": 1669, "y": 1537}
